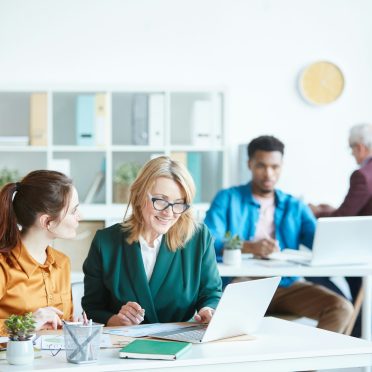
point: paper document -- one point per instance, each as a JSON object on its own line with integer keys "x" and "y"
{"x": 56, "y": 342}
{"x": 291, "y": 254}
{"x": 143, "y": 330}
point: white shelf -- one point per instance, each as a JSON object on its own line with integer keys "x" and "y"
{"x": 189, "y": 121}
{"x": 23, "y": 149}
{"x": 75, "y": 148}
{"x": 136, "y": 148}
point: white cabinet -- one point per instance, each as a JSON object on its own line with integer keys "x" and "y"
{"x": 89, "y": 133}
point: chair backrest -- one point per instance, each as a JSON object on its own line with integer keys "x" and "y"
{"x": 77, "y": 294}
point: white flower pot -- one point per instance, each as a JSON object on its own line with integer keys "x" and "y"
{"x": 20, "y": 352}
{"x": 232, "y": 256}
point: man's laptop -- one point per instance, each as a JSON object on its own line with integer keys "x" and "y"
{"x": 240, "y": 311}
{"x": 337, "y": 241}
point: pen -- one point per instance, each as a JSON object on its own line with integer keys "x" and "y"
{"x": 85, "y": 318}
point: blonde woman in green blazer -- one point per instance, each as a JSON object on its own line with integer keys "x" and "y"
{"x": 158, "y": 265}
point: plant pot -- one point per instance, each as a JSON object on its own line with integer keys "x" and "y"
{"x": 121, "y": 193}
{"x": 20, "y": 352}
{"x": 232, "y": 256}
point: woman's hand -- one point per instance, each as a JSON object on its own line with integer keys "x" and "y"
{"x": 47, "y": 318}
{"x": 130, "y": 314}
{"x": 204, "y": 315}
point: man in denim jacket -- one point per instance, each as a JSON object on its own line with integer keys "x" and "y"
{"x": 269, "y": 220}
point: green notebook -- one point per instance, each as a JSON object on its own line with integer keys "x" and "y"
{"x": 152, "y": 349}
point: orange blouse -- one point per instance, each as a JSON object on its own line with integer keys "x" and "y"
{"x": 29, "y": 285}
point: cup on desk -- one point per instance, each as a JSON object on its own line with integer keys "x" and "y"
{"x": 82, "y": 342}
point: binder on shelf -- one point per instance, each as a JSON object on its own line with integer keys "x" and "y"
{"x": 85, "y": 120}
{"x": 153, "y": 349}
{"x": 202, "y": 123}
{"x": 38, "y": 119}
{"x": 97, "y": 184}
{"x": 194, "y": 165}
{"x": 100, "y": 119}
{"x": 156, "y": 118}
{"x": 140, "y": 128}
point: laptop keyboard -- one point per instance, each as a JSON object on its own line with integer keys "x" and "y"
{"x": 192, "y": 334}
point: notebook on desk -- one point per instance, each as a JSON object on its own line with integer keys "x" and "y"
{"x": 337, "y": 241}
{"x": 239, "y": 312}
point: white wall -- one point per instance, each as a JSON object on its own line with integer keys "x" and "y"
{"x": 255, "y": 48}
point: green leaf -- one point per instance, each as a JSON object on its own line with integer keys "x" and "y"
{"x": 20, "y": 327}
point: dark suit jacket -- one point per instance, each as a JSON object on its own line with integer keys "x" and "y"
{"x": 358, "y": 201}
{"x": 181, "y": 283}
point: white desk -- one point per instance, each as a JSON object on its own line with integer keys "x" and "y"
{"x": 280, "y": 346}
{"x": 252, "y": 267}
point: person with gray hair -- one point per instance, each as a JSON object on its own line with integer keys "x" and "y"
{"x": 357, "y": 202}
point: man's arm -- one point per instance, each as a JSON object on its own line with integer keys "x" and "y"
{"x": 261, "y": 248}
{"x": 356, "y": 198}
{"x": 308, "y": 225}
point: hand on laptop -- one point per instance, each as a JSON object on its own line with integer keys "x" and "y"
{"x": 130, "y": 314}
{"x": 204, "y": 315}
{"x": 262, "y": 247}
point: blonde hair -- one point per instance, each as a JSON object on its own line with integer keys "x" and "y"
{"x": 162, "y": 166}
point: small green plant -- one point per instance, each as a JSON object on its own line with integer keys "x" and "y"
{"x": 20, "y": 327}
{"x": 126, "y": 173}
{"x": 7, "y": 175}
{"x": 232, "y": 241}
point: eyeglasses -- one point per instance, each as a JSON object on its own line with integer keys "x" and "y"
{"x": 161, "y": 205}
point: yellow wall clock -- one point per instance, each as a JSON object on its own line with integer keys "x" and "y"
{"x": 321, "y": 83}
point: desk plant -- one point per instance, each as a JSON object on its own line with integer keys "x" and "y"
{"x": 232, "y": 249}
{"x": 125, "y": 174}
{"x": 20, "y": 329}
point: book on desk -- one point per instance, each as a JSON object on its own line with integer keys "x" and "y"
{"x": 152, "y": 349}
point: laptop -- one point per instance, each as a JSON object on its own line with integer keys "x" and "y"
{"x": 337, "y": 241}
{"x": 239, "y": 312}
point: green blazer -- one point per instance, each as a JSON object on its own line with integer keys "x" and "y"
{"x": 182, "y": 282}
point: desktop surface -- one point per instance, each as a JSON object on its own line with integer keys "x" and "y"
{"x": 279, "y": 345}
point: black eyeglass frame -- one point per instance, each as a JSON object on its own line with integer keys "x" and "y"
{"x": 153, "y": 200}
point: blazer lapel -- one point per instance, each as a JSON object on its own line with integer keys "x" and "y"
{"x": 162, "y": 266}
{"x": 137, "y": 276}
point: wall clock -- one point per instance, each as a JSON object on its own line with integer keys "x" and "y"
{"x": 321, "y": 83}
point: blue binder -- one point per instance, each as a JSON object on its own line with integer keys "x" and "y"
{"x": 85, "y": 120}
{"x": 194, "y": 166}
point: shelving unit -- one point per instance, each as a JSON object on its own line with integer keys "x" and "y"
{"x": 136, "y": 125}
{"x": 171, "y": 120}
{"x": 188, "y": 124}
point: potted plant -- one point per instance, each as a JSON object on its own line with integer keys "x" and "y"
{"x": 125, "y": 174}
{"x": 7, "y": 175}
{"x": 232, "y": 254}
{"x": 20, "y": 329}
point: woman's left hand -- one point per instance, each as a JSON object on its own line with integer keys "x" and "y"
{"x": 204, "y": 315}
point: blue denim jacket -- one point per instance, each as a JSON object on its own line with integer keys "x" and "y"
{"x": 236, "y": 210}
